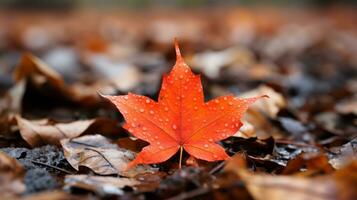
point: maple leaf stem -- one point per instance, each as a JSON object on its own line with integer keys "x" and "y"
{"x": 180, "y": 161}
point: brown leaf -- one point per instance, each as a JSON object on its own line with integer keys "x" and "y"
{"x": 101, "y": 185}
{"x": 344, "y": 154}
{"x": 259, "y": 112}
{"x": 11, "y": 176}
{"x": 51, "y": 83}
{"x": 41, "y": 132}
{"x": 341, "y": 185}
{"x": 32, "y": 67}
{"x": 314, "y": 163}
{"x": 11, "y": 102}
{"x": 98, "y": 154}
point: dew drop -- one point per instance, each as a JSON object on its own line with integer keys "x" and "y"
{"x": 160, "y": 147}
{"x": 135, "y": 119}
{"x": 125, "y": 112}
{"x": 174, "y": 126}
{"x": 126, "y": 97}
{"x": 186, "y": 70}
{"x": 151, "y": 112}
{"x": 222, "y": 108}
{"x": 225, "y": 98}
{"x": 141, "y": 110}
{"x": 206, "y": 145}
{"x": 147, "y": 101}
{"x": 216, "y": 101}
{"x": 196, "y": 108}
{"x": 166, "y": 119}
{"x": 156, "y": 137}
{"x": 181, "y": 77}
{"x": 182, "y": 96}
{"x": 210, "y": 140}
{"x": 144, "y": 128}
{"x": 194, "y": 99}
{"x": 215, "y": 156}
{"x": 230, "y": 103}
{"x": 133, "y": 125}
{"x": 158, "y": 143}
{"x": 226, "y": 125}
{"x": 160, "y": 120}
{"x": 166, "y": 109}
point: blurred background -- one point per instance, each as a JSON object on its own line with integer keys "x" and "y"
{"x": 305, "y": 50}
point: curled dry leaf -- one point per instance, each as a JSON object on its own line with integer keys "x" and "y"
{"x": 340, "y": 185}
{"x": 270, "y": 108}
{"x": 98, "y": 154}
{"x": 101, "y": 185}
{"x": 257, "y": 113}
{"x": 211, "y": 63}
{"x": 32, "y": 67}
{"x": 40, "y": 74}
{"x": 344, "y": 154}
{"x": 313, "y": 163}
{"x": 11, "y": 176}
{"x": 40, "y": 132}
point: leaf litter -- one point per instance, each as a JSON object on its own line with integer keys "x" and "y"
{"x": 298, "y": 143}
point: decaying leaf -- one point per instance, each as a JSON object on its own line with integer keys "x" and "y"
{"x": 270, "y": 108}
{"x": 101, "y": 185}
{"x": 98, "y": 154}
{"x": 259, "y": 112}
{"x": 181, "y": 119}
{"x": 11, "y": 176}
{"x": 44, "y": 131}
{"x": 264, "y": 186}
{"x": 308, "y": 164}
{"x": 43, "y": 77}
{"x": 344, "y": 154}
{"x": 211, "y": 63}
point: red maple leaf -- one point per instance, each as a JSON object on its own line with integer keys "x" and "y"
{"x": 181, "y": 119}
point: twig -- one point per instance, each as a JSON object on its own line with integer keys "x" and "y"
{"x": 51, "y": 166}
{"x": 217, "y": 167}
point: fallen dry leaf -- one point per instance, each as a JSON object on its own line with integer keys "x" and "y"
{"x": 270, "y": 108}
{"x": 101, "y": 185}
{"x": 264, "y": 186}
{"x": 98, "y": 154}
{"x": 259, "y": 112}
{"x": 181, "y": 119}
{"x": 32, "y": 67}
{"x": 11, "y": 176}
{"x": 344, "y": 154}
{"x": 308, "y": 164}
{"x": 50, "y": 83}
{"x": 40, "y": 132}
